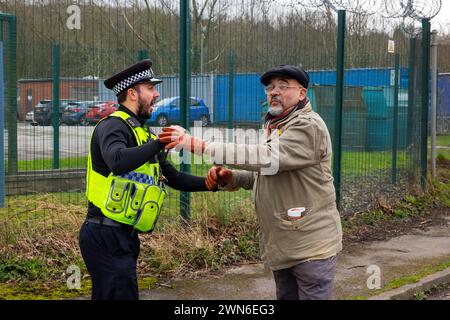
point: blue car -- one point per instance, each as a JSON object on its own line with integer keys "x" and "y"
{"x": 75, "y": 112}
{"x": 167, "y": 111}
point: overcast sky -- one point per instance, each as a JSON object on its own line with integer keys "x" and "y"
{"x": 443, "y": 18}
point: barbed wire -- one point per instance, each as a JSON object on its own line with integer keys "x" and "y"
{"x": 411, "y": 27}
{"x": 395, "y": 9}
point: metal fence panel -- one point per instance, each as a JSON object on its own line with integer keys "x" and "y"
{"x": 232, "y": 43}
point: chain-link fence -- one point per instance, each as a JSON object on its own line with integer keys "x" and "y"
{"x": 65, "y": 50}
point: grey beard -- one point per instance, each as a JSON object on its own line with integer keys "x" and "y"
{"x": 276, "y": 111}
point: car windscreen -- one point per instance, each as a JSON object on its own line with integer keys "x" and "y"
{"x": 164, "y": 101}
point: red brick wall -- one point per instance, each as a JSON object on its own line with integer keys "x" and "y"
{"x": 44, "y": 90}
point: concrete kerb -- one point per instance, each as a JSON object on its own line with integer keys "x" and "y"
{"x": 407, "y": 292}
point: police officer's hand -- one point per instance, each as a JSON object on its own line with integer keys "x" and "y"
{"x": 218, "y": 176}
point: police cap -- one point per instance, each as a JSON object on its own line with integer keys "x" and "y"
{"x": 137, "y": 73}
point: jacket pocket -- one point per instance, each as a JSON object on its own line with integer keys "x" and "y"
{"x": 117, "y": 200}
{"x": 137, "y": 194}
{"x": 284, "y": 223}
{"x": 149, "y": 212}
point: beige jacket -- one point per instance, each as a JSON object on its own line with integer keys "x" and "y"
{"x": 292, "y": 169}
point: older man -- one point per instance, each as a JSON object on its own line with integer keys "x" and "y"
{"x": 291, "y": 173}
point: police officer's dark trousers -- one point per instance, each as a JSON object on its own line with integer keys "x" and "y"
{"x": 110, "y": 254}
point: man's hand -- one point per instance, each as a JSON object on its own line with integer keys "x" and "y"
{"x": 176, "y": 137}
{"x": 172, "y": 136}
{"x": 218, "y": 176}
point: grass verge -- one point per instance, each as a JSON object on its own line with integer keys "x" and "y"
{"x": 39, "y": 239}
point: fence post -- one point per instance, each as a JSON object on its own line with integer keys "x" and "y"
{"x": 55, "y": 103}
{"x": 434, "y": 49}
{"x": 231, "y": 67}
{"x": 2, "y": 127}
{"x": 142, "y": 54}
{"x": 11, "y": 90}
{"x": 337, "y": 143}
{"x": 425, "y": 98}
{"x": 411, "y": 87}
{"x": 395, "y": 120}
{"x": 185, "y": 91}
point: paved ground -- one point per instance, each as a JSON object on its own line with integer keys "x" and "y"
{"x": 397, "y": 257}
{"x": 36, "y": 142}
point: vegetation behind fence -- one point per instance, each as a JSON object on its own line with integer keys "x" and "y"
{"x": 232, "y": 43}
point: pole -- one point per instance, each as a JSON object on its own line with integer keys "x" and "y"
{"x": 11, "y": 90}
{"x": 201, "y": 48}
{"x": 425, "y": 99}
{"x": 231, "y": 66}
{"x": 395, "y": 120}
{"x": 2, "y": 127}
{"x": 55, "y": 109}
{"x": 185, "y": 91}
{"x": 411, "y": 90}
{"x": 434, "y": 49}
{"x": 142, "y": 54}
{"x": 337, "y": 143}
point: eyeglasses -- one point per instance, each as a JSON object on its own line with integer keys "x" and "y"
{"x": 281, "y": 88}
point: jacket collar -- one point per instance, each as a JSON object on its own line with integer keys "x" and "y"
{"x": 305, "y": 110}
{"x": 131, "y": 114}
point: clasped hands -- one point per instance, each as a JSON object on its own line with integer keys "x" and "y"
{"x": 218, "y": 177}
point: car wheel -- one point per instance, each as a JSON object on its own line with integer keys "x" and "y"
{"x": 83, "y": 121}
{"x": 204, "y": 120}
{"x": 162, "y": 121}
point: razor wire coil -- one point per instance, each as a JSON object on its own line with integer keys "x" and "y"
{"x": 395, "y": 9}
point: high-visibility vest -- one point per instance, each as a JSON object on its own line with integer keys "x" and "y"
{"x": 134, "y": 198}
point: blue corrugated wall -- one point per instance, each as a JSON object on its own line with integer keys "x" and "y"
{"x": 248, "y": 97}
{"x": 443, "y": 93}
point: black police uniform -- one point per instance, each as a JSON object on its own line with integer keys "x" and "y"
{"x": 110, "y": 249}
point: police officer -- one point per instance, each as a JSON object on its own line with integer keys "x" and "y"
{"x": 123, "y": 185}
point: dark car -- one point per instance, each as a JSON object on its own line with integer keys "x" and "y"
{"x": 167, "y": 111}
{"x": 44, "y": 109}
{"x": 75, "y": 112}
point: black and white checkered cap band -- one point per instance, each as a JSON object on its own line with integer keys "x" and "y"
{"x": 124, "y": 84}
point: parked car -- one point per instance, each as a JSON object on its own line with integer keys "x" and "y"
{"x": 29, "y": 116}
{"x": 44, "y": 109}
{"x": 75, "y": 112}
{"x": 99, "y": 111}
{"x": 167, "y": 111}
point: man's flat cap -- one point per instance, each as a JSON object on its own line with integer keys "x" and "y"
{"x": 137, "y": 73}
{"x": 288, "y": 72}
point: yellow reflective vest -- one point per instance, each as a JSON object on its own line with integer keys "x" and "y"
{"x": 134, "y": 198}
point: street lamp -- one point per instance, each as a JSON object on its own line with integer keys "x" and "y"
{"x": 202, "y": 38}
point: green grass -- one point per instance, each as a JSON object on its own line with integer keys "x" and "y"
{"x": 405, "y": 280}
{"x": 441, "y": 140}
{"x": 353, "y": 163}
{"x": 415, "y": 277}
{"x": 40, "y": 241}
{"x": 39, "y": 237}
{"x": 47, "y": 164}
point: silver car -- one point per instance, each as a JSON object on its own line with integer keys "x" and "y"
{"x": 29, "y": 116}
